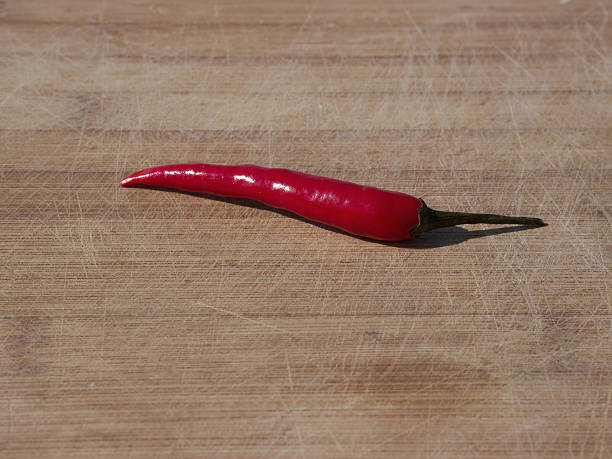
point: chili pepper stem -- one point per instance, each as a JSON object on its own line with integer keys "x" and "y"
{"x": 432, "y": 219}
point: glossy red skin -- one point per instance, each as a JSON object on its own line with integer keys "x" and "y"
{"x": 360, "y": 210}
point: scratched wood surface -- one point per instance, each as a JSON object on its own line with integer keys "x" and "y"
{"x": 148, "y": 323}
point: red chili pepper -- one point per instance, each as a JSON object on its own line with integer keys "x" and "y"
{"x": 360, "y": 210}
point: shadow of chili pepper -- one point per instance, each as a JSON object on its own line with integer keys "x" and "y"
{"x": 454, "y": 235}
{"x": 430, "y": 240}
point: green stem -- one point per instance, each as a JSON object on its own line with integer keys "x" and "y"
{"x": 432, "y": 219}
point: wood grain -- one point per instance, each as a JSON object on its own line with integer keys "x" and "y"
{"x": 146, "y": 323}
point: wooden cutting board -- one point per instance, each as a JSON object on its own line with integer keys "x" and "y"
{"x": 146, "y": 323}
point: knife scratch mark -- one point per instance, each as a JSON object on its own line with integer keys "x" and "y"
{"x": 289, "y": 371}
{"x": 242, "y": 316}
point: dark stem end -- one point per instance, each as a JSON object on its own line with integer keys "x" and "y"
{"x": 432, "y": 219}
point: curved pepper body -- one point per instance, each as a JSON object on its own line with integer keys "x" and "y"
{"x": 359, "y": 210}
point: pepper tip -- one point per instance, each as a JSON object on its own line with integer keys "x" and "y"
{"x": 128, "y": 181}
